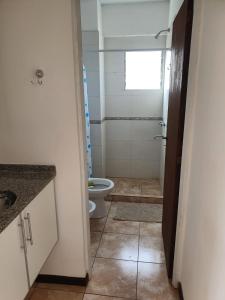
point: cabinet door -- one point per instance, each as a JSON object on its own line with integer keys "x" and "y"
{"x": 13, "y": 273}
{"x": 41, "y": 230}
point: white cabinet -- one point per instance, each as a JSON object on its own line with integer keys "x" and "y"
{"x": 13, "y": 273}
{"x": 25, "y": 245}
{"x": 40, "y": 230}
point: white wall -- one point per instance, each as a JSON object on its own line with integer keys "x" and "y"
{"x": 131, "y": 150}
{"x": 89, "y": 15}
{"x": 200, "y": 247}
{"x": 39, "y": 124}
{"x": 134, "y": 18}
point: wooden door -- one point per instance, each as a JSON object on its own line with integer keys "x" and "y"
{"x": 180, "y": 52}
{"x": 41, "y": 230}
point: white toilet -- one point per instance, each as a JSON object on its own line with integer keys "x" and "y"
{"x": 99, "y": 188}
{"x": 92, "y": 207}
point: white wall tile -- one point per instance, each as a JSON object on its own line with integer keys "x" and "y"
{"x": 90, "y": 40}
{"x": 135, "y": 42}
{"x": 91, "y": 61}
{"x": 114, "y": 62}
{"x": 143, "y": 150}
{"x": 96, "y": 153}
{"x": 96, "y": 136}
{"x": 145, "y": 130}
{"x": 118, "y": 106}
{"x": 118, "y": 150}
{"x": 98, "y": 171}
{"x": 147, "y": 105}
{"x": 94, "y": 108}
{"x": 149, "y": 150}
{"x": 93, "y": 84}
{"x": 144, "y": 168}
{"x": 114, "y": 83}
{"x": 117, "y": 130}
{"x": 118, "y": 168}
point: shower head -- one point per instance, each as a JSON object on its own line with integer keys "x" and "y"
{"x": 160, "y": 32}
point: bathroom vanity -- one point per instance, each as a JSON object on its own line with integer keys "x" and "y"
{"x": 28, "y": 228}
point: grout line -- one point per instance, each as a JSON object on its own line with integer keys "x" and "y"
{"x": 118, "y": 233}
{"x": 135, "y": 261}
{"x": 99, "y": 240}
{"x": 118, "y": 259}
{"x": 102, "y": 232}
{"x": 104, "y": 295}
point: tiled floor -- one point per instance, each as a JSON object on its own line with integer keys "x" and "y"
{"x": 136, "y": 190}
{"x": 128, "y": 263}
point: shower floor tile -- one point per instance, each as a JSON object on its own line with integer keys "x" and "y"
{"x": 136, "y": 190}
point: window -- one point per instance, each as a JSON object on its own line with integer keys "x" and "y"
{"x": 143, "y": 70}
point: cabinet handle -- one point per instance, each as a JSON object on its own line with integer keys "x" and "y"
{"x": 21, "y": 225}
{"x": 30, "y": 238}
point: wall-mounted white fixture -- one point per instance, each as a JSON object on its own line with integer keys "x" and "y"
{"x": 38, "y": 75}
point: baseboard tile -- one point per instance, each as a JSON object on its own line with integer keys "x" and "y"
{"x": 63, "y": 280}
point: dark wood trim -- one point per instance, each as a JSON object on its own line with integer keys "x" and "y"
{"x": 63, "y": 280}
{"x": 181, "y": 45}
{"x": 180, "y": 291}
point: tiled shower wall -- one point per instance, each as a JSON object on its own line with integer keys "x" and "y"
{"x": 131, "y": 150}
{"x": 94, "y": 63}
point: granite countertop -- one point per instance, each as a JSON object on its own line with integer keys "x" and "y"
{"x": 26, "y": 181}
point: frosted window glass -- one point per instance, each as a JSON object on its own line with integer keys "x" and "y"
{"x": 143, "y": 70}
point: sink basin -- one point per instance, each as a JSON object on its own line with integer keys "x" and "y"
{"x": 7, "y": 199}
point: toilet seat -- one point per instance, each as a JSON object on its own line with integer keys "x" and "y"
{"x": 101, "y": 186}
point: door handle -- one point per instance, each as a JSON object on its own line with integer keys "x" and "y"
{"x": 30, "y": 238}
{"x": 156, "y": 137}
{"x": 23, "y": 244}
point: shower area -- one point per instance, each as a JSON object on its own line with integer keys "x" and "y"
{"x": 134, "y": 81}
{"x": 127, "y": 85}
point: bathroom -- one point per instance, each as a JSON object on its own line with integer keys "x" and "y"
{"x": 53, "y": 245}
{"x": 127, "y": 82}
{"x": 43, "y": 158}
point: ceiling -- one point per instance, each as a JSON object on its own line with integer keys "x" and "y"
{"x": 128, "y": 1}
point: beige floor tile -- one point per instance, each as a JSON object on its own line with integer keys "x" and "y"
{"x": 153, "y": 283}
{"x": 108, "y": 205}
{"x": 98, "y": 297}
{"x": 61, "y": 287}
{"x": 126, "y": 227}
{"x": 118, "y": 246}
{"x": 151, "y": 249}
{"x": 151, "y": 188}
{"x": 95, "y": 240}
{"x": 113, "y": 278}
{"x": 97, "y": 225}
{"x": 151, "y": 229}
{"x": 113, "y": 208}
{"x": 92, "y": 261}
{"x": 45, "y": 294}
{"x": 127, "y": 186}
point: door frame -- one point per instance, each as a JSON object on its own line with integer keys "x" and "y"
{"x": 182, "y": 116}
{"x": 188, "y": 140}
